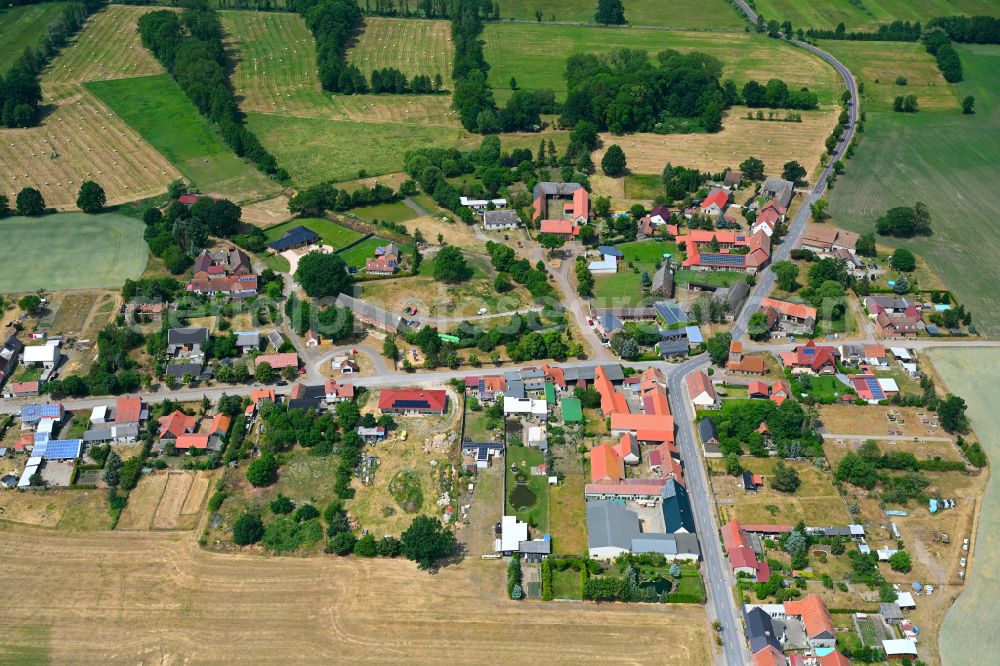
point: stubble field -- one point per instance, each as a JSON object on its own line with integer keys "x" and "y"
{"x": 694, "y": 14}
{"x": 142, "y": 596}
{"x": 869, "y": 14}
{"x": 411, "y": 46}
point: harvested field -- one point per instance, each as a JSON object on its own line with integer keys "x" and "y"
{"x": 73, "y": 312}
{"x": 108, "y": 47}
{"x": 158, "y": 109}
{"x": 142, "y": 503}
{"x": 78, "y": 252}
{"x": 411, "y": 46}
{"x": 81, "y": 139}
{"x": 773, "y": 142}
{"x": 268, "y": 212}
{"x": 23, "y": 26}
{"x": 71, "y": 510}
{"x": 172, "y": 602}
{"x": 867, "y": 15}
{"x": 432, "y": 110}
{"x": 535, "y": 55}
{"x": 174, "y": 494}
{"x": 873, "y": 420}
{"x": 675, "y": 14}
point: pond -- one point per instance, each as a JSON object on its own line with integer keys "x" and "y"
{"x": 523, "y": 497}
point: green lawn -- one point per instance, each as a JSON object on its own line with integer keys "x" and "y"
{"x": 566, "y": 584}
{"x": 70, "y": 251}
{"x": 825, "y": 388}
{"x": 692, "y": 14}
{"x": 24, "y": 26}
{"x": 685, "y": 276}
{"x": 948, "y": 161}
{"x": 639, "y": 186}
{"x": 357, "y": 255}
{"x": 156, "y": 108}
{"x": 645, "y": 255}
{"x": 333, "y": 234}
{"x": 623, "y": 289}
{"x": 866, "y": 15}
{"x": 396, "y": 211}
{"x": 318, "y": 149}
{"x": 538, "y": 514}
{"x": 878, "y": 64}
{"x": 535, "y": 54}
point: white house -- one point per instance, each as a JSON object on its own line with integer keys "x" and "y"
{"x": 701, "y": 391}
{"x": 900, "y": 648}
{"x": 512, "y": 533}
{"x": 537, "y": 438}
{"x": 500, "y": 220}
{"x": 525, "y": 406}
{"x": 480, "y": 205}
{"x": 99, "y": 414}
{"x": 608, "y": 263}
{"x": 46, "y": 355}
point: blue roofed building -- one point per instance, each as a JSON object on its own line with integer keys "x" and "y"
{"x": 670, "y": 313}
{"x": 677, "y": 515}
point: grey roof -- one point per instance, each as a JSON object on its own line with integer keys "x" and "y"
{"x": 187, "y": 336}
{"x": 248, "y": 339}
{"x": 889, "y": 302}
{"x": 609, "y": 523}
{"x": 276, "y": 339}
{"x": 890, "y": 611}
{"x": 614, "y": 372}
{"x": 515, "y": 389}
{"x": 294, "y": 238}
{"x": 733, "y": 295}
{"x": 373, "y": 312}
{"x": 663, "y": 279}
{"x": 122, "y": 430}
{"x": 668, "y": 544}
{"x": 671, "y": 313}
{"x": 760, "y": 630}
{"x": 779, "y": 189}
{"x": 674, "y": 346}
{"x": 532, "y": 373}
{"x": 610, "y": 250}
{"x": 732, "y": 178}
{"x": 500, "y": 217}
{"x": 706, "y": 429}
{"x": 676, "y": 507}
{"x": 178, "y": 370}
{"x": 537, "y": 547}
{"x": 555, "y": 189}
{"x": 609, "y": 323}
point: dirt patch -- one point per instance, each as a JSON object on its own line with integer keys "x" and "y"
{"x": 169, "y": 508}
{"x": 874, "y": 420}
{"x": 73, "y": 312}
{"x": 267, "y": 213}
{"x": 293, "y": 256}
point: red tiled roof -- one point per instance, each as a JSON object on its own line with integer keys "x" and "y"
{"x": 24, "y": 387}
{"x": 751, "y": 364}
{"x": 835, "y": 658}
{"x": 197, "y": 441}
{"x": 256, "y": 395}
{"x": 698, "y": 383}
{"x": 643, "y": 422}
{"x": 605, "y": 465}
{"x": 279, "y": 361}
{"x": 564, "y": 227}
{"x": 796, "y": 310}
{"x": 737, "y": 546}
{"x": 128, "y": 409}
{"x": 874, "y": 351}
{"x": 220, "y": 425}
{"x": 814, "y": 614}
{"x": 647, "y": 487}
{"x": 758, "y": 388}
{"x": 720, "y": 198}
{"x": 611, "y": 400}
{"x": 176, "y": 423}
{"x": 436, "y": 400}
{"x": 764, "y": 528}
{"x": 768, "y": 656}
{"x": 735, "y": 347}
{"x": 330, "y": 387}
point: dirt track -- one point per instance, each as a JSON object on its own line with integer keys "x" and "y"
{"x": 155, "y": 597}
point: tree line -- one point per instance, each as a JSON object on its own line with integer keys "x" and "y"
{"x": 472, "y": 97}
{"x": 776, "y": 95}
{"x": 897, "y": 31}
{"x": 190, "y": 47}
{"x": 969, "y": 29}
{"x": 20, "y": 91}
{"x": 938, "y": 44}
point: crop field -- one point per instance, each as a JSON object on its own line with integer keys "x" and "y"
{"x": 318, "y": 149}
{"x": 75, "y": 251}
{"x": 949, "y": 163}
{"x": 692, "y": 14}
{"x": 158, "y": 109}
{"x": 24, "y": 26}
{"x": 81, "y": 139}
{"x": 867, "y": 15}
{"x": 971, "y": 373}
{"x": 411, "y": 46}
{"x": 773, "y": 142}
{"x": 535, "y": 55}
{"x": 108, "y": 47}
{"x": 172, "y": 602}
{"x": 877, "y": 64}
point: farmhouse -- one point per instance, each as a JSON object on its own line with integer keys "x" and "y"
{"x": 371, "y": 315}
{"x": 760, "y": 631}
{"x": 223, "y": 272}
{"x": 663, "y": 281}
{"x": 876, "y": 305}
{"x": 608, "y": 264}
{"x": 709, "y": 436}
{"x": 500, "y": 220}
{"x": 725, "y": 250}
{"x": 186, "y": 341}
{"x": 778, "y": 189}
{"x": 482, "y": 205}
{"x": 793, "y": 318}
{"x": 887, "y": 325}
{"x": 813, "y": 613}
{"x": 742, "y": 557}
{"x": 247, "y": 341}
{"x": 409, "y": 402}
{"x": 293, "y": 238}
{"x": 747, "y": 365}
{"x": 565, "y": 228}
{"x": 46, "y": 356}
{"x": 175, "y": 424}
{"x": 385, "y": 261}
{"x": 574, "y": 198}
{"x": 612, "y": 529}
{"x": 605, "y": 465}
{"x": 823, "y": 239}
{"x": 714, "y": 203}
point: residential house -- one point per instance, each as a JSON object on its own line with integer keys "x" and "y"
{"x": 811, "y": 358}
{"x": 10, "y": 354}
{"x": 778, "y": 189}
{"x": 701, "y": 391}
{"x": 874, "y": 354}
{"x": 794, "y": 318}
{"x": 742, "y": 557}
{"x": 223, "y": 272}
{"x": 709, "y": 436}
{"x": 306, "y": 397}
{"x": 574, "y": 198}
{"x": 501, "y": 220}
{"x": 23, "y": 389}
{"x": 412, "y": 401}
{"x": 345, "y": 365}
{"x": 37, "y": 413}
{"x": 175, "y": 424}
{"x": 385, "y": 261}
{"x": 130, "y": 409}
{"x": 886, "y": 325}
{"x": 219, "y": 426}
{"x": 186, "y": 341}
{"x": 769, "y": 656}
{"x": 816, "y": 619}
{"x": 759, "y": 630}
{"x": 663, "y": 280}
{"x": 483, "y": 452}
{"x": 294, "y": 238}
{"x": 891, "y": 305}
{"x": 46, "y": 356}
{"x": 195, "y": 371}
{"x": 874, "y": 389}
{"x": 486, "y": 388}
{"x": 608, "y": 264}
{"x": 732, "y": 180}
{"x": 336, "y": 392}
{"x": 714, "y": 203}
{"x": 371, "y": 315}
{"x": 279, "y": 361}
{"x": 371, "y": 435}
{"x": 743, "y": 364}
{"x": 606, "y": 466}
{"x": 713, "y": 250}
{"x": 248, "y": 341}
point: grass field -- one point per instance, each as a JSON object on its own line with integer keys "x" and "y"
{"x": 156, "y": 107}
{"x": 81, "y": 139}
{"x": 773, "y": 142}
{"x": 949, "y": 163}
{"x": 108, "y": 47}
{"x": 868, "y": 14}
{"x": 568, "y": 517}
{"x": 638, "y": 186}
{"x": 411, "y": 46}
{"x": 172, "y": 601}
{"x": 646, "y": 255}
{"x": 70, "y": 251}
{"x": 692, "y": 14}
{"x": 317, "y": 149}
{"x": 971, "y": 373}
{"x": 332, "y": 234}
{"x": 877, "y": 64}
{"x": 396, "y": 211}
{"x": 535, "y": 55}
{"x": 24, "y": 26}
{"x": 684, "y": 276}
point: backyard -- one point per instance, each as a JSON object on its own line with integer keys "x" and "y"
{"x": 527, "y": 493}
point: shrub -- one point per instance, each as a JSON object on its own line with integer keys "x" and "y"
{"x": 342, "y": 544}
{"x": 216, "y": 500}
{"x": 305, "y": 512}
{"x": 281, "y": 505}
{"x": 247, "y": 529}
{"x": 263, "y": 471}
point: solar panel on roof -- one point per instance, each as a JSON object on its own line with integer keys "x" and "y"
{"x": 723, "y": 259}
{"x": 875, "y": 388}
{"x": 417, "y": 404}
{"x": 58, "y": 449}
